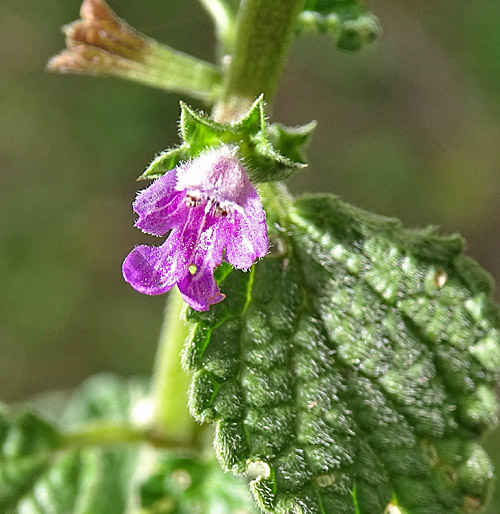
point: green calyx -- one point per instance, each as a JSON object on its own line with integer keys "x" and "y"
{"x": 270, "y": 152}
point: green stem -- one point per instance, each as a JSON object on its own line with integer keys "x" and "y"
{"x": 223, "y": 14}
{"x": 100, "y": 433}
{"x": 103, "y": 433}
{"x": 166, "y": 68}
{"x": 263, "y": 35}
{"x": 275, "y": 196}
{"x": 170, "y": 383}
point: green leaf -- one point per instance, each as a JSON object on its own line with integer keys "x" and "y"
{"x": 185, "y": 485}
{"x": 352, "y": 369}
{"x": 78, "y": 468}
{"x": 27, "y": 444}
{"x": 348, "y": 21}
{"x": 271, "y": 152}
{"x": 41, "y": 472}
{"x": 103, "y": 397}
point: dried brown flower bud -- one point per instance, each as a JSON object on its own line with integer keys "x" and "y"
{"x": 101, "y": 43}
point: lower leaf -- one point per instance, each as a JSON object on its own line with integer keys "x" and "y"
{"x": 41, "y": 474}
{"x": 46, "y": 469}
{"x": 188, "y": 485}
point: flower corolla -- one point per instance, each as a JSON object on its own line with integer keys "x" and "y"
{"x": 211, "y": 210}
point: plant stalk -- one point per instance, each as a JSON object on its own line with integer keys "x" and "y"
{"x": 171, "y": 70}
{"x": 170, "y": 383}
{"x": 101, "y": 43}
{"x": 223, "y": 14}
{"x": 264, "y": 30}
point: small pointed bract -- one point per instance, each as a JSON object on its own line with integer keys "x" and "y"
{"x": 209, "y": 205}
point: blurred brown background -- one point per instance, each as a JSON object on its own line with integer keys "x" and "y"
{"x": 409, "y": 127}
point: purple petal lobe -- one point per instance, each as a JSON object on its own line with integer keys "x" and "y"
{"x": 155, "y": 269}
{"x": 148, "y": 270}
{"x": 157, "y": 205}
{"x": 199, "y": 288}
{"x": 200, "y": 291}
{"x": 247, "y": 234}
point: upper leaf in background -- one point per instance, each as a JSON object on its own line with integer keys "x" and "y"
{"x": 348, "y": 21}
{"x": 270, "y": 152}
{"x": 353, "y": 369}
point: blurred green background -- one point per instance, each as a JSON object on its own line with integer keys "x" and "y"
{"x": 409, "y": 127}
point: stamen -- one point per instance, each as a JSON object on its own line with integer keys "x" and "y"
{"x": 218, "y": 210}
{"x": 192, "y": 201}
{"x": 192, "y": 268}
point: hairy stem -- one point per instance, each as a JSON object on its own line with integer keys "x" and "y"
{"x": 172, "y": 420}
{"x": 263, "y": 35}
{"x": 103, "y": 433}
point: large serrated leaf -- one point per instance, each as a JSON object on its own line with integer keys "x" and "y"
{"x": 270, "y": 152}
{"x": 351, "y": 370}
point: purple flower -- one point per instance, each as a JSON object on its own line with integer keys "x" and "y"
{"x": 209, "y": 206}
